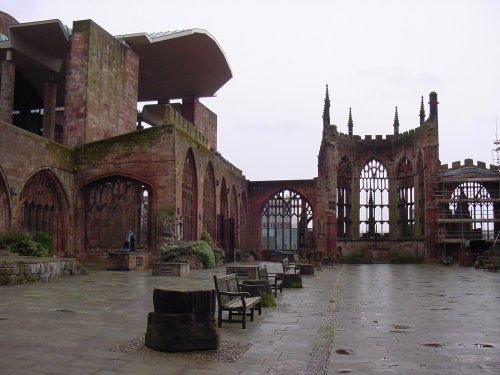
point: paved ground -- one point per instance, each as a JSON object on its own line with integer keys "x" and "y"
{"x": 356, "y": 319}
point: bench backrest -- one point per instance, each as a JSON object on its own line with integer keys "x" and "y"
{"x": 263, "y": 272}
{"x": 227, "y": 283}
{"x": 286, "y": 264}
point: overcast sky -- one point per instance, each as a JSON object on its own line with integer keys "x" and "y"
{"x": 374, "y": 55}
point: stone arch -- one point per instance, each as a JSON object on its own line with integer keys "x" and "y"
{"x": 5, "y": 204}
{"x": 243, "y": 220}
{"x": 209, "y": 202}
{"x": 233, "y": 217}
{"x": 286, "y": 222}
{"x": 222, "y": 234}
{"x": 113, "y": 205}
{"x": 406, "y": 197}
{"x": 420, "y": 194}
{"x": 44, "y": 207}
{"x": 189, "y": 198}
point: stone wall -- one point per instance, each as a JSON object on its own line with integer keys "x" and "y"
{"x": 30, "y": 271}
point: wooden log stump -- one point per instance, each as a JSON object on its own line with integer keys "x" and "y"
{"x": 181, "y": 332}
{"x": 184, "y": 302}
{"x": 182, "y": 321}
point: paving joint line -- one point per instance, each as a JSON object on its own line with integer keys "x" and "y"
{"x": 319, "y": 357}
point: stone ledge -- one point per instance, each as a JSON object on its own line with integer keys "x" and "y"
{"x": 20, "y": 270}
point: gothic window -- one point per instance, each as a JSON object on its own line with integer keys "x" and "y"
{"x": 374, "y": 200}
{"x": 113, "y": 206}
{"x": 189, "y": 198}
{"x": 222, "y": 217}
{"x": 233, "y": 216}
{"x": 243, "y": 219}
{"x": 209, "y": 213}
{"x": 4, "y": 206}
{"x": 421, "y": 195}
{"x": 471, "y": 203}
{"x": 344, "y": 181}
{"x": 406, "y": 198}
{"x": 286, "y": 222}
{"x": 43, "y": 209}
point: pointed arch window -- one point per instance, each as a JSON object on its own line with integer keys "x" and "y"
{"x": 189, "y": 198}
{"x": 286, "y": 222}
{"x": 374, "y": 200}
{"x": 406, "y": 198}
{"x": 344, "y": 182}
{"x": 243, "y": 220}
{"x": 421, "y": 195}
{"x": 113, "y": 206}
{"x": 471, "y": 203}
{"x": 43, "y": 208}
{"x": 209, "y": 213}
{"x": 233, "y": 217}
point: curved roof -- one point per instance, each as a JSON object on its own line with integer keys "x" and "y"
{"x": 172, "y": 65}
{"x": 178, "y": 64}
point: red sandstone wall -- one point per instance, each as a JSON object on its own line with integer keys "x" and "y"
{"x": 5, "y": 21}
{"x": 24, "y": 154}
{"x": 203, "y": 119}
{"x": 101, "y": 88}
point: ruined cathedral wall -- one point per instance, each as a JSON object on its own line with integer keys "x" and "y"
{"x": 101, "y": 88}
{"x": 147, "y": 156}
{"x": 188, "y": 139}
{"x": 23, "y": 155}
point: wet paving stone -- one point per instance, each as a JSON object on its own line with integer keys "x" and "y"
{"x": 429, "y": 320}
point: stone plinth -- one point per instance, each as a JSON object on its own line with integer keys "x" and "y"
{"x": 182, "y": 321}
{"x": 171, "y": 269}
{"x": 125, "y": 260}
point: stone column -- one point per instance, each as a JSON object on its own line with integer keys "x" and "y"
{"x": 8, "y": 74}
{"x": 49, "y": 107}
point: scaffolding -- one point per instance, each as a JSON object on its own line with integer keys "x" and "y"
{"x": 468, "y": 201}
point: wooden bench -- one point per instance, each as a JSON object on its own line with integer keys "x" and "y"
{"x": 232, "y": 298}
{"x": 287, "y": 267}
{"x": 275, "y": 280}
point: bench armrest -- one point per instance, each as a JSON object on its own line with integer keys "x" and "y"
{"x": 235, "y": 294}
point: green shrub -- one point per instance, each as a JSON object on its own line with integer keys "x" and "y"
{"x": 205, "y": 236}
{"x": 203, "y": 250}
{"x": 206, "y": 252}
{"x": 43, "y": 239}
{"x": 21, "y": 242}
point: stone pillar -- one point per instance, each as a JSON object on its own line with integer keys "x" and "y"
{"x": 8, "y": 75}
{"x": 49, "y": 107}
{"x": 182, "y": 321}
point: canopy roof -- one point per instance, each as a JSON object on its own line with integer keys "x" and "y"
{"x": 179, "y": 64}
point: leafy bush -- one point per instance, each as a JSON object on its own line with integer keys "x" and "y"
{"x": 38, "y": 244}
{"x": 205, "y": 252}
{"x": 205, "y": 236}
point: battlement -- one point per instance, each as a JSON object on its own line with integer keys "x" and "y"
{"x": 468, "y": 163}
{"x": 388, "y": 137}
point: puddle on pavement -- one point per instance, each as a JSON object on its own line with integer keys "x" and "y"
{"x": 64, "y": 310}
{"x": 483, "y": 346}
{"x": 433, "y": 345}
{"x": 343, "y": 351}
